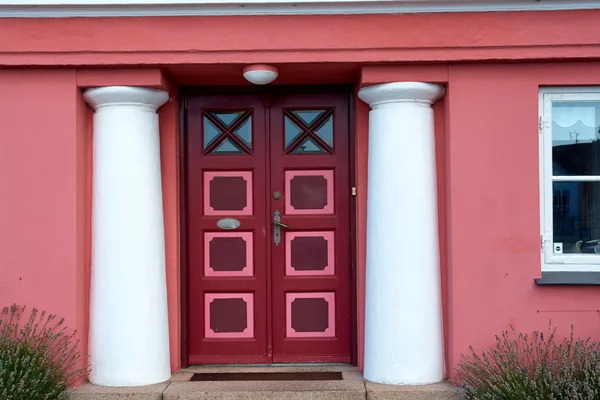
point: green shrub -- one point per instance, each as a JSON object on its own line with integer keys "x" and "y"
{"x": 520, "y": 367}
{"x": 38, "y": 361}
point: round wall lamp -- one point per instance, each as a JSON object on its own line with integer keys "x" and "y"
{"x": 260, "y": 74}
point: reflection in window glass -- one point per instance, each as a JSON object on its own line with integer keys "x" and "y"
{"x": 227, "y": 147}
{"x": 575, "y": 145}
{"x": 211, "y": 132}
{"x": 576, "y": 216}
{"x": 325, "y": 131}
{"x": 291, "y": 132}
{"x": 227, "y": 118}
{"x": 308, "y": 146}
{"x": 244, "y": 132}
{"x": 308, "y": 116}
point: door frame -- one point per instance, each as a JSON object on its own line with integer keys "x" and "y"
{"x": 186, "y": 91}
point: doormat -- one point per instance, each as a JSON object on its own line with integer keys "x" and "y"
{"x": 268, "y": 376}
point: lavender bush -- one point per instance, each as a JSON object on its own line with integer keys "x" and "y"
{"x": 520, "y": 367}
{"x": 39, "y": 360}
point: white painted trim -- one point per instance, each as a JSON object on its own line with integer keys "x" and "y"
{"x": 137, "y": 8}
{"x": 576, "y": 178}
{"x": 550, "y": 261}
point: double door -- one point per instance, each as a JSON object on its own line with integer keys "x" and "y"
{"x": 268, "y": 217}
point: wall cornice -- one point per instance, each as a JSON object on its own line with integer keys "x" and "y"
{"x": 157, "y": 8}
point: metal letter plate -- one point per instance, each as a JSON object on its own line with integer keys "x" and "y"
{"x": 228, "y": 223}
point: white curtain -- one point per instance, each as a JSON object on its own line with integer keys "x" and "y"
{"x": 568, "y": 115}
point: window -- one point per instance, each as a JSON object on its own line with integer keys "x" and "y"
{"x": 570, "y": 179}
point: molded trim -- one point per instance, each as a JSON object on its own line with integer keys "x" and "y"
{"x": 155, "y": 8}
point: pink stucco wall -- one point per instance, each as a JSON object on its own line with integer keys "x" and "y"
{"x": 43, "y": 202}
{"x": 486, "y": 137}
{"x": 492, "y": 200}
{"x": 169, "y": 158}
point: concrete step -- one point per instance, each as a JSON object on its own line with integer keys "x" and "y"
{"x": 266, "y": 390}
{"x": 437, "y": 391}
{"x": 351, "y": 387}
{"x": 87, "y": 391}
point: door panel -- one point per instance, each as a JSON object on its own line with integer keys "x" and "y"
{"x": 311, "y": 268}
{"x": 254, "y": 296}
{"x": 228, "y": 269}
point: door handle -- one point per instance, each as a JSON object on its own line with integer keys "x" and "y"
{"x": 277, "y": 225}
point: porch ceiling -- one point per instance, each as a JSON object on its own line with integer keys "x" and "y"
{"x": 289, "y": 74}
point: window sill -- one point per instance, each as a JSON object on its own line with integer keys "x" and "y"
{"x": 569, "y": 278}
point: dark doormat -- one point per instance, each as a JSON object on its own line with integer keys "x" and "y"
{"x": 269, "y": 376}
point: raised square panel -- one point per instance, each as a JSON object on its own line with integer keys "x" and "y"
{"x": 228, "y": 254}
{"x": 309, "y": 192}
{"x": 229, "y": 315}
{"x": 228, "y": 193}
{"x": 309, "y": 253}
{"x": 310, "y": 314}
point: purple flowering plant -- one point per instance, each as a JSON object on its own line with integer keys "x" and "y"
{"x": 532, "y": 367}
{"x": 39, "y": 359}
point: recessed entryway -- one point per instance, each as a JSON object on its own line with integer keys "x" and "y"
{"x": 268, "y": 228}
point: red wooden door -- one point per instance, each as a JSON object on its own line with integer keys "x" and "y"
{"x": 261, "y": 292}
{"x": 227, "y": 267}
{"x": 311, "y": 264}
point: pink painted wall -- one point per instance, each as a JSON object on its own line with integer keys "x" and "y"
{"x": 489, "y": 219}
{"x": 309, "y": 39}
{"x": 45, "y": 216}
{"x": 44, "y": 248}
{"x": 493, "y": 219}
{"x": 361, "y": 120}
{"x": 169, "y": 125}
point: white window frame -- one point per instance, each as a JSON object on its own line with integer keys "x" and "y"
{"x": 551, "y": 261}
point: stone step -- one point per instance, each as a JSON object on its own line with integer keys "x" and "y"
{"x": 266, "y": 390}
{"x": 437, "y": 391}
{"x": 87, "y": 391}
{"x": 351, "y": 387}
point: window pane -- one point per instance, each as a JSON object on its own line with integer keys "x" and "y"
{"x": 244, "y": 132}
{"x": 576, "y": 216}
{"x": 291, "y": 132}
{"x": 325, "y": 131}
{"x": 227, "y": 147}
{"x": 308, "y": 116}
{"x": 575, "y": 147}
{"x": 227, "y": 118}
{"x": 308, "y": 146}
{"x": 211, "y": 132}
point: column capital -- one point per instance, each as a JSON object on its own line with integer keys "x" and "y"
{"x": 401, "y": 92}
{"x": 126, "y": 95}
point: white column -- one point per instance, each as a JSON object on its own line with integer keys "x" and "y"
{"x": 403, "y": 327}
{"x": 129, "y": 331}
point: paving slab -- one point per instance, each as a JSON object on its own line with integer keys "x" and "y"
{"x": 266, "y": 390}
{"x": 87, "y": 391}
{"x": 437, "y": 391}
